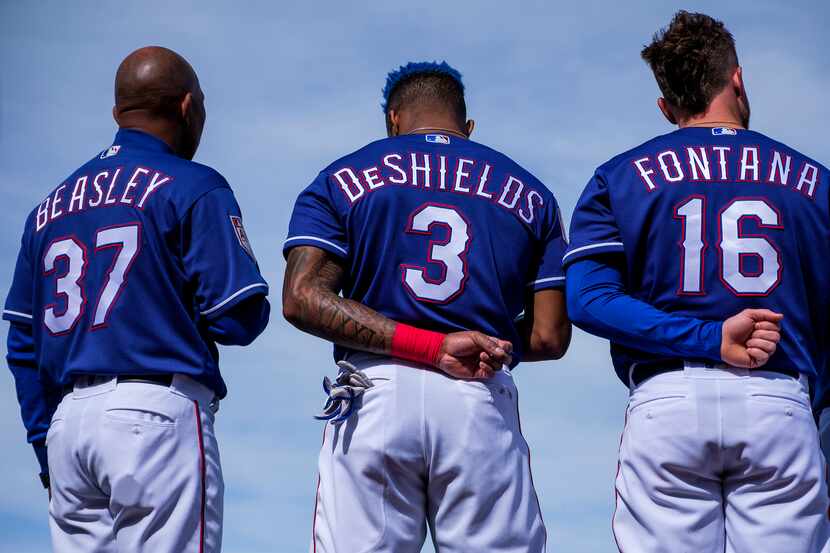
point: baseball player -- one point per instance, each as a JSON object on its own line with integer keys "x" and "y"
{"x": 129, "y": 274}
{"x": 667, "y": 240}
{"x": 438, "y": 244}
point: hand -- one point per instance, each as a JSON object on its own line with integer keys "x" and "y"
{"x": 750, "y": 338}
{"x": 473, "y": 355}
{"x": 47, "y": 484}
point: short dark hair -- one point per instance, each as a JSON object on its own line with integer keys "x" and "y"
{"x": 692, "y": 60}
{"x": 428, "y": 82}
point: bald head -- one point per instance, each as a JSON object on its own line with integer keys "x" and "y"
{"x": 151, "y": 76}
{"x": 157, "y": 91}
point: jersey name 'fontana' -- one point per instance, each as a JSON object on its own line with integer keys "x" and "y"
{"x": 713, "y": 164}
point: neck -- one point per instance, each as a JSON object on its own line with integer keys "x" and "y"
{"x": 162, "y": 130}
{"x": 427, "y": 121}
{"x": 437, "y": 128}
{"x": 718, "y": 114}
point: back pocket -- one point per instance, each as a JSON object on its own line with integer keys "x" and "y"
{"x": 782, "y": 398}
{"x": 139, "y": 415}
{"x": 655, "y": 401}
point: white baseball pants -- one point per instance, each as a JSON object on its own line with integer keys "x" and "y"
{"x": 424, "y": 449}
{"x": 721, "y": 460}
{"x": 134, "y": 467}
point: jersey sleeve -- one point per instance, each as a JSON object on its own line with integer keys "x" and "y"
{"x": 218, "y": 258}
{"x": 316, "y": 222}
{"x": 599, "y": 304}
{"x": 549, "y": 271}
{"x": 594, "y": 228}
{"x": 18, "y": 306}
{"x": 38, "y": 399}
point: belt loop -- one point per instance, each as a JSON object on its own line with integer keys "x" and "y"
{"x": 186, "y": 386}
{"x": 631, "y": 376}
{"x": 805, "y": 382}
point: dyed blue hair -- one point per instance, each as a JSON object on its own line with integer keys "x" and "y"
{"x": 394, "y": 78}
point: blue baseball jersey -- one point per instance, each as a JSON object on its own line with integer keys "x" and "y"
{"x": 713, "y": 221}
{"x": 435, "y": 231}
{"x": 124, "y": 264}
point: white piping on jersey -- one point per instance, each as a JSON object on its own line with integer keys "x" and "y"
{"x": 232, "y": 296}
{"x": 333, "y": 245}
{"x": 17, "y": 313}
{"x": 541, "y": 280}
{"x": 590, "y": 247}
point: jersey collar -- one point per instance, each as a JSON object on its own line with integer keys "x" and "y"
{"x": 140, "y": 140}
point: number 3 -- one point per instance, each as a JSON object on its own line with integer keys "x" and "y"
{"x": 67, "y": 285}
{"x": 449, "y": 253}
{"x": 127, "y": 239}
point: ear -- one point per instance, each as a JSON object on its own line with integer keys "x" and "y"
{"x": 738, "y": 81}
{"x": 667, "y": 110}
{"x": 185, "y": 106}
{"x": 470, "y": 126}
{"x": 393, "y": 120}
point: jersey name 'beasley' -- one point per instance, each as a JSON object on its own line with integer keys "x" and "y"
{"x": 101, "y": 189}
{"x": 441, "y": 173}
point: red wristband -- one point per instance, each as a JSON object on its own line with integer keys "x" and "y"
{"x": 415, "y": 344}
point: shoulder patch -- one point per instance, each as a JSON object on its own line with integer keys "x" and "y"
{"x": 242, "y": 236}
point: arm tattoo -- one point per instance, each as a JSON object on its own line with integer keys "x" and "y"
{"x": 313, "y": 280}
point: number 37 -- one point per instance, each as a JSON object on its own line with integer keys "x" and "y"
{"x": 126, "y": 239}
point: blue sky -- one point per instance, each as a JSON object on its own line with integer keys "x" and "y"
{"x": 292, "y": 86}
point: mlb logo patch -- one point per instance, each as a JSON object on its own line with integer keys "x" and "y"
{"x": 113, "y": 150}
{"x": 438, "y": 138}
{"x": 720, "y": 131}
{"x": 242, "y": 236}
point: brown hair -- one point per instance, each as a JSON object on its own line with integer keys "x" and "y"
{"x": 692, "y": 60}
